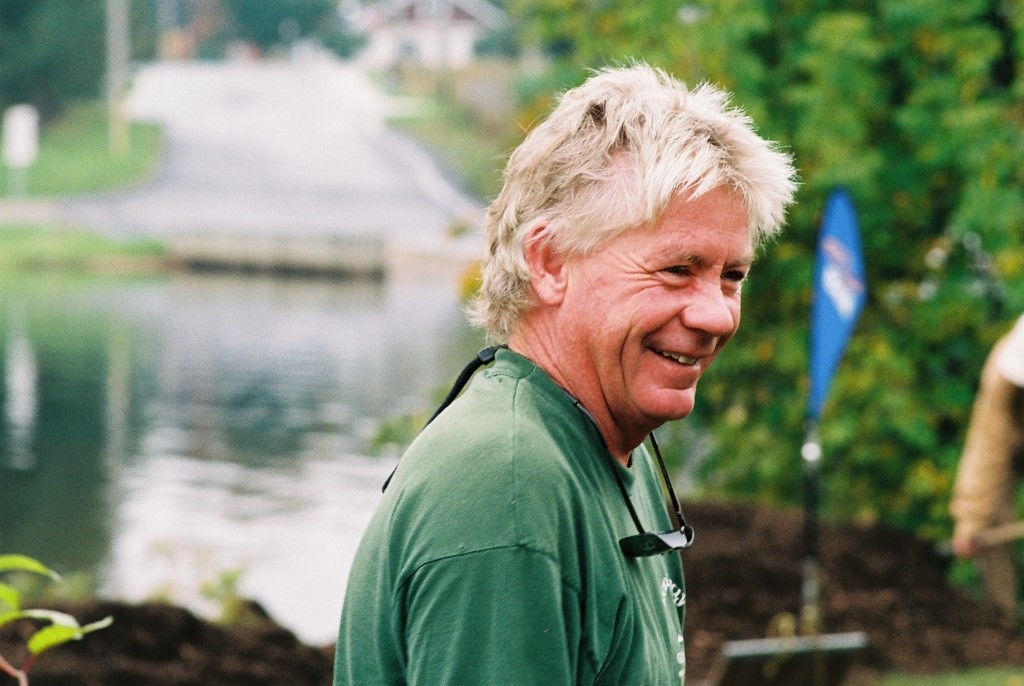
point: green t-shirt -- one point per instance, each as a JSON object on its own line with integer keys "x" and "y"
{"x": 493, "y": 557}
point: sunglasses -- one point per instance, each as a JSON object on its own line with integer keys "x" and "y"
{"x": 648, "y": 543}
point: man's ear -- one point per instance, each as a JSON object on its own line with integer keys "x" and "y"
{"x": 548, "y": 271}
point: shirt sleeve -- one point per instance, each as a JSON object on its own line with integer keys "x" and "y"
{"x": 496, "y": 616}
{"x": 985, "y": 476}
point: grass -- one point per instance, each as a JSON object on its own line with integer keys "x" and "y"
{"x": 475, "y": 159}
{"x": 972, "y": 677}
{"x": 74, "y": 158}
{"x": 74, "y": 155}
{"x": 471, "y": 143}
{"x": 39, "y": 248}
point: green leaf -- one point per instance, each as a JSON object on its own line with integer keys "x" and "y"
{"x": 56, "y": 634}
{"x": 24, "y": 563}
{"x": 10, "y": 597}
{"x": 51, "y": 636}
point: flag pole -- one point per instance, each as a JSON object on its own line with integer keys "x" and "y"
{"x": 810, "y": 593}
{"x": 838, "y": 297}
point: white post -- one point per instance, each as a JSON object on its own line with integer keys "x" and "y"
{"x": 20, "y": 146}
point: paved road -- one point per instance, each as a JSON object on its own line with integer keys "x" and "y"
{"x": 290, "y": 148}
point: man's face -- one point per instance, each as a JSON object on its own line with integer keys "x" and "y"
{"x": 648, "y": 312}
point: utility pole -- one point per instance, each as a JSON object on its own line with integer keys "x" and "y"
{"x": 117, "y": 75}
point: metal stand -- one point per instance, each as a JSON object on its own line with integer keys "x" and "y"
{"x": 810, "y": 608}
{"x": 810, "y": 658}
{"x": 795, "y": 661}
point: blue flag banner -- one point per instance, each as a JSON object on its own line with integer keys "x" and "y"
{"x": 839, "y": 294}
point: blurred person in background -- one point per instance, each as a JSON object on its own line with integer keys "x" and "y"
{"x": 991, "y": 468}
{"x": 524, "y": 537}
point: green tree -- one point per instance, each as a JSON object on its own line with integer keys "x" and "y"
{"x": 916, "y": 108}
{"x": 53, "y": 52}
{"x": 50, "y": 52}
{"x": 269, "y": 24}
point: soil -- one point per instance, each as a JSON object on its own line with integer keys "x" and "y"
{"x": 744, "y": 571}
{"x": 743, "y": 574}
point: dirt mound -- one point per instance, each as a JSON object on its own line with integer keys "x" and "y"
{"x": 742, "y": 573}
{"x": 154, "y": 644}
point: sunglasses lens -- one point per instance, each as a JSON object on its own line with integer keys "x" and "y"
{"x": 678, "y": 540}
{"x": 647, "y": 544}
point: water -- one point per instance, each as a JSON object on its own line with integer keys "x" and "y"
{"x": 166, "y": 434}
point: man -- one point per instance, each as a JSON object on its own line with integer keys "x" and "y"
{"x": 990, "y": 468}
{"x": 519, "y": 540}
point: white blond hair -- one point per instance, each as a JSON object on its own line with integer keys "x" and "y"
{"x": 610, "y": 157}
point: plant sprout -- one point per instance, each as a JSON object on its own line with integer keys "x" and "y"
{"x": 60, "y": 627}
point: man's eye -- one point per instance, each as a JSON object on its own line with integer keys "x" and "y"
{"x": 735, "y": 276}
{"x": 679, "y": 270}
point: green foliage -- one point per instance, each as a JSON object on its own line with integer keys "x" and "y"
{"x": 394, "y": 434}
{"x": 339, "y": 39}
{"x": 916, "y": 107}
{"x": 593, "y": 34}
{"x": 223, "y": 589}
{"x": 74, "y": 155}
{"x": 469, "y": 133}
{"x": 37, "y": 249}
{"x": 74, "y": 158}
{"x": 62, "y": 628}
{"x": 59, "y": 627}
{"x": 502, "y": 42}
{"x": 197, "y": 571}
{"x": 50, "y": 51}
{"x": 53, "y": 52}
{"x": 969, "y": 677}
{"x": 271, "y": 25}
{"x": 23, "y": 563}
{"x": 10, "y": 597}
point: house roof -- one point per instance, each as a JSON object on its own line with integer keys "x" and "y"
{"x": 488, "y": 15}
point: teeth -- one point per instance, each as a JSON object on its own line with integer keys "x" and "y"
{"x": 681, "y": 359}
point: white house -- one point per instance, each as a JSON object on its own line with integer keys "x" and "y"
{"x": 432, "y": 33}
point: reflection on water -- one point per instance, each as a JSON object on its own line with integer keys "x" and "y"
{"x": 21, "y": 377}
{"x": 162, "y": 434}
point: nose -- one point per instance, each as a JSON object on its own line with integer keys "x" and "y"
{"x": 711, "y": 311}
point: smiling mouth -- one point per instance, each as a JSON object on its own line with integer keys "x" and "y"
{"x": 681, "y": 359}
